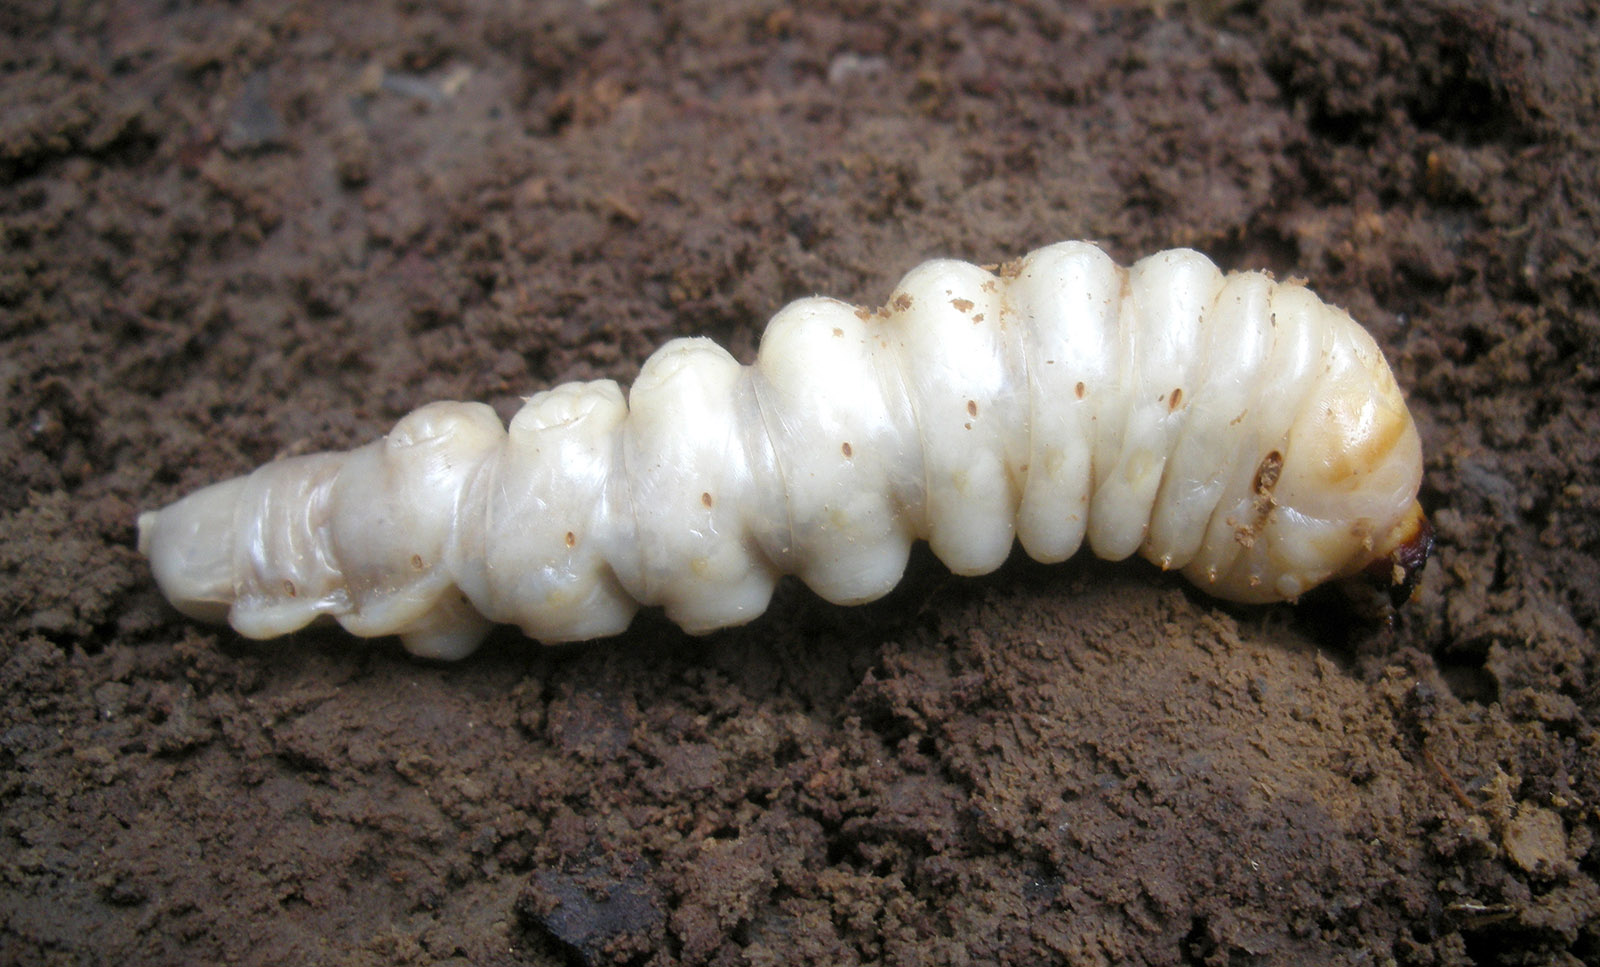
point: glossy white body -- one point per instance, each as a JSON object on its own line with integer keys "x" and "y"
{"x": 1232, "y": 427}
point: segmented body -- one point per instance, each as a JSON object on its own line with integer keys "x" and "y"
{"x": 1230, "y": 426}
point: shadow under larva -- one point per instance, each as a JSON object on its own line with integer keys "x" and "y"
{"x": 1229, "y": 426}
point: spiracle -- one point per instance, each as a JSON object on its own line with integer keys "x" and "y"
{"x": 1232, "y": 427}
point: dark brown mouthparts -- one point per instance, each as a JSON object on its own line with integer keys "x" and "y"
{"x": 1400, "y": 571}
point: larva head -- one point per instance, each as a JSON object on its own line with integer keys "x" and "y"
{"x": 1327, "y": 489}
{"x": 1345, "y": 500}
{"x": 1401, "y": 556}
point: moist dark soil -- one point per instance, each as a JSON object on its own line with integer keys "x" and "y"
{"x": 233, "y": 232}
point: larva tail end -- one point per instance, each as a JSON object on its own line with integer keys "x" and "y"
{"x": 190, "y": 548}
{"x": 1401, "y": 556}
{"x": 147, "y": 530}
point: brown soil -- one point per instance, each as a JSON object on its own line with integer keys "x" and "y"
{"x": 233, "y": 232}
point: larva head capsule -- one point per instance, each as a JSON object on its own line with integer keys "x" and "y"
{"x": 1378, "y": 458}
{"x": 1345, "y": 501}
{"x": 1401, "y": 556}
{"x": 1324, "y": 486}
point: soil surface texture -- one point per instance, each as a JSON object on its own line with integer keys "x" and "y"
{"x": 236, "y": 231}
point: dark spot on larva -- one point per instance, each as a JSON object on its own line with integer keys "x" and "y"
{"x": 962, "y": 305}
{"x": 1238, "y": 419}
{"x": 863, "y": 313}
{"x": 989, "y": 284}
{"x": 572, "y": 539}
{"x": 1080, "y": 389}
{"x": 1175, "y": 400}
{"x": 1273, "y": 318}
{"x": 837, "y": 332}
{"x": 289, "y": 589}
{"x": 902, "y": 302}
{"x": 705, "y": 498}
{"x": 416, "y": 562}
{"x": 977, "y": 319}
{"x": 1267, "y": 474}
{"x": 967, "y": 425}
{"x": 972, "y": 407}
{"x": 845, "y": 449}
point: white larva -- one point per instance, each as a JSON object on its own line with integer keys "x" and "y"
{"x": 1232, "y": 427}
